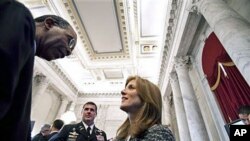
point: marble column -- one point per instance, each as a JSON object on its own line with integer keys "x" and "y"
{"x": 232, "y": 30}
{"x": 69, "y": 116}
{"x": 166, "y": 111}
{"x": 195, "y": 121}
{"x": 182, "y": 124}
{"x": 102, "y": 115}
{"x": 72, "y": 106}
{"x": 41, "y": 83}
{"x": 63, "y": 106}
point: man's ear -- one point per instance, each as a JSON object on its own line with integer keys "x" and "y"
{"x": 49, "y": 23}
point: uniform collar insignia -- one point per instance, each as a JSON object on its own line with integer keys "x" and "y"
{"x": 81, "y": 128}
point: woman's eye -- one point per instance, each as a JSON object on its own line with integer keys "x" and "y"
{"x": 131, "y": 87}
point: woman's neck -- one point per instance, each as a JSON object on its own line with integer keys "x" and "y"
{"x": 133, "y": 116}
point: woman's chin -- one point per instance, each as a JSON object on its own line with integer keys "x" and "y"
{"x": 124, "y": 108}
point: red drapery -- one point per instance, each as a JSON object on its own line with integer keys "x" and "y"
{"x": 230, "y": 88}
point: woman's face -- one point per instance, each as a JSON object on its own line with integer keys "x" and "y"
{"x": 131, "y": 101}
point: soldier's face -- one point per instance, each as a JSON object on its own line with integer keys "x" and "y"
{"x": 88, "y": 113}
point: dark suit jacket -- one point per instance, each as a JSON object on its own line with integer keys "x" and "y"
{"x": 51, "y": 135}
{"x": 78, "y": 132}
{"x": 17, "y": 36}
{"x": 39, "y": 137}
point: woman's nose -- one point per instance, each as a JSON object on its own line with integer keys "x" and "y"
{"x": 123, "y": 92}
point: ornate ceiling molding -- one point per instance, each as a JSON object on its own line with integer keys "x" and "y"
{"x": 79, "y": 27}
{"x": 100, "y": 95}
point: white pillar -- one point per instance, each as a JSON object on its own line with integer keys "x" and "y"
{"x": 63, "y": 106}
{"x": 69, "y": 116}
{"x": 166, "y": 116}
{"x": 195, "y": 121}
{"x": 101, "y": 116}
{"x": 232, "y": 30}
{"x": 41, "y": 84}
{"x": 182, "y": 124}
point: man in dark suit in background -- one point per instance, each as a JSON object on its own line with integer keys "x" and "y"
{"x": 55, "y": 128}
{"x": 43, "y": 134}
{"x": 85, "y": 130}
{"x": 243, "y": 113}
{"x": 21, "y": 38}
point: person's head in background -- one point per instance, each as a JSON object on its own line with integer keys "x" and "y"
{"x": 55, "y": 38}
{"x": 57, "y": 125}
{"x": 89, "y": 113}
{"x": 45, "y": 130}
{"x": 244, "y": 112}
{"x": 141, "y": 100}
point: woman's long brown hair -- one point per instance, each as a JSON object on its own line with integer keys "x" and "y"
{"x": 150, "y": 113}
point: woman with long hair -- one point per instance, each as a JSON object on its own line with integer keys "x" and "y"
{"x": 141, "y": 100}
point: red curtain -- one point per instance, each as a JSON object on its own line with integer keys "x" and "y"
{"x": 230, "y": 88}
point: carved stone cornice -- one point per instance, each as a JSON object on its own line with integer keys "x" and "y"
{"x": 40, "y": 79}
{"x": 100, "y": 95}
{"x": 173, "y": 77}
{"x": 135, "y": 5}
{"x": 170, "y": 32}
{"x": 182, "y": 62}
{"x": 63, "y": 76}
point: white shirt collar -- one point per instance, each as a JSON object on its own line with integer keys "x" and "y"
{"x": 86, "y": 126}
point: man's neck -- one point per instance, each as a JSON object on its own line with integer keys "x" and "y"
{"x": 88, "y": 123}
{"x": 54, "y": 130}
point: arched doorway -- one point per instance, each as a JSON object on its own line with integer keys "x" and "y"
{"x": 228, "y": 85}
